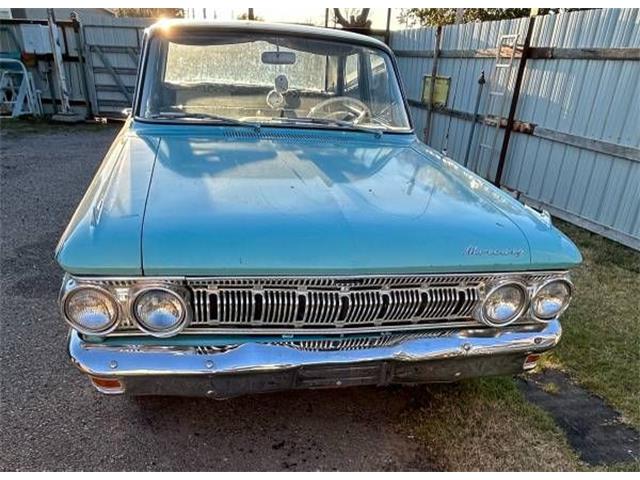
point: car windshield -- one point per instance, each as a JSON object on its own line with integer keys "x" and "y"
{"x": 205, "y": 76}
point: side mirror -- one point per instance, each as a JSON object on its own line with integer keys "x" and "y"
{"x": 127, "y": 111}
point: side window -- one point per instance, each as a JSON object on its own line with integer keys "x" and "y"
{"x": 381, "y": 97}
{"x": 352, "y": 76}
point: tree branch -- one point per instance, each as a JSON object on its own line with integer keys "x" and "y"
{"x": 340, "y": 18}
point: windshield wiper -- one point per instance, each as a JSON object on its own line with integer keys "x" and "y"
{"x": 204, "y": 116}
{"x": 331, "y": 122}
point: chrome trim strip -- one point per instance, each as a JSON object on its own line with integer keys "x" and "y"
{"x": 98, "y": 207}
{"x": 182, "y": 278}
{"x": 326, "y": 330}
{"x": 108, "y": 361}
{"x": 367, "y": 280}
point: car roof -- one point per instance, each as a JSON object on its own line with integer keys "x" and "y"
{"x": 273, "y": 28}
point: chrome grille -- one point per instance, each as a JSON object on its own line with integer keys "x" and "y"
{"x": 359, "y": 343}
{"x": 335, "y": 302}
{"x": 302, "y": 308}
{"x": 335, "y": 344}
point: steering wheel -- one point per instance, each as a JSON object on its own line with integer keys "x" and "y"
{"x": 352, "y": 106}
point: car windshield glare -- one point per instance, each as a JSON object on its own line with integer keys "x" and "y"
{"x": 268, "y": 79}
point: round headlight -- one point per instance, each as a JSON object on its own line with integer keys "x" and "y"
{"x": 160, "y": 312}
{"x": 504, "y": 304}
{"x": 91, "y": 310}
{"x": 551, "y": 299}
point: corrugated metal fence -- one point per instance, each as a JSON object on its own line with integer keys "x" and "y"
{"x": 575, "y": 146}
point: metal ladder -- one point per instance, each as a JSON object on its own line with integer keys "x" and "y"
{"x": 61, "y": 77}
{"x": 18, "y": 95}
{"x": 497, "y": 100}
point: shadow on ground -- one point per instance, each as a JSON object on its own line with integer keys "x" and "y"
{"x": 595, "y": 430}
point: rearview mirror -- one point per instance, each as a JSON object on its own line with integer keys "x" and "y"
{"x": 278, "y": 58}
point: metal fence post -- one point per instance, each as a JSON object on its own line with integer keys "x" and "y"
{"x": 481, "y": 82}
{"x": 434, "y": 72}
{"x": 514, "y": 101}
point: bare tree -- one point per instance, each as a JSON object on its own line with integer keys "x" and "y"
{"x": 357, "y": 18}
{"x": 250, "y": 15}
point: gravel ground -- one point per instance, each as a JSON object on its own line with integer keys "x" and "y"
{"x": 50, "y": 417}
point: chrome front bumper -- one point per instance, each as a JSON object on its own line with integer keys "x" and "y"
{"x": 266, "y": 367}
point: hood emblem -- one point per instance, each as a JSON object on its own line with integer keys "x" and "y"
{"x": 475, "y": 251}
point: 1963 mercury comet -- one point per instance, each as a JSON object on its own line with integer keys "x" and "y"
{"x": 267, "y": 219}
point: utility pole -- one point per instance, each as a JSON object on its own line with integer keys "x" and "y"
{"x": 387, "y": 33}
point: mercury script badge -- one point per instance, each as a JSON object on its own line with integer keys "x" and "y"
{"x": 476, "y": 251}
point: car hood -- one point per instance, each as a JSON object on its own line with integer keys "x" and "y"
{"x": 104, "y": 234}
{"x": 290, "y": 202}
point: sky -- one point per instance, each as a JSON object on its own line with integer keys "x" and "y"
{"x": 314, "y": 16}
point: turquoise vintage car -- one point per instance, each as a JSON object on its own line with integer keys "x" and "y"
{"x": 267, "y": 219}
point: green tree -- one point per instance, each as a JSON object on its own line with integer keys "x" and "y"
{"x": 150, "y": 12}
{"x": 445, "y": 16}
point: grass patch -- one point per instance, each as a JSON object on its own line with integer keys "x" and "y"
{"x": 620, "y": 467}
{"x": 487, "y": 425}
{"x": 601, "y": 341}
{"x": 551, "y": 388}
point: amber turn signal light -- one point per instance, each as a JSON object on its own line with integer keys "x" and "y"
{"x": 107, "y": 385}
{"x": 531, "y": 361}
